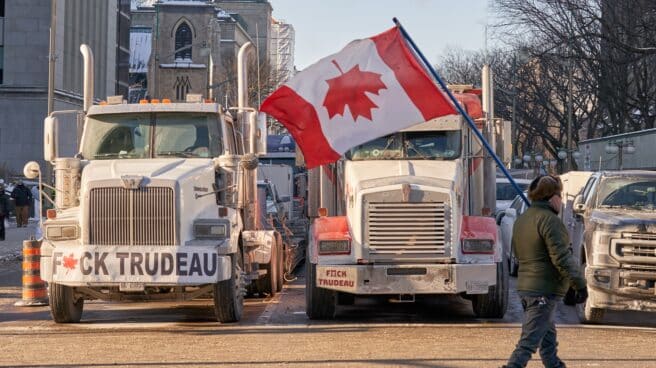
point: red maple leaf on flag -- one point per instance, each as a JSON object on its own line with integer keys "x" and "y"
{"x": 349, "y": 89}
{"x": 70, "y": 262}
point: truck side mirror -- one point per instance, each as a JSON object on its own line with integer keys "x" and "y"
{"x": 50, "y": 149}
{"x": 578, "y": 206}
{"x": 260, "y": 134}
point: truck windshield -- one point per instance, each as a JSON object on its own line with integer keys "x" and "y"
{"x": 432, "y": 145}
{"x": 128, "y": 136}
{"x": 627, "y": 192}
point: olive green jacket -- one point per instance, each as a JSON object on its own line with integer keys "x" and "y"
{"x": 542, "y": 247}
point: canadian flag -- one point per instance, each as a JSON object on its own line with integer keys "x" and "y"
{"x": 373, "y": 87}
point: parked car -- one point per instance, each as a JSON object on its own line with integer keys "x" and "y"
{"x": 506, "y": 193}
{"x": 506, "y": 223}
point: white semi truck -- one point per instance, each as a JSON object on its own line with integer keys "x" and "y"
{"x": 160, "y": 203}
{"x": 402, "y": 216}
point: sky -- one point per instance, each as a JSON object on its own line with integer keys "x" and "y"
{"x": 324, "y": 27}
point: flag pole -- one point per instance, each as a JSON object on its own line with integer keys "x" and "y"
{"x": 460, "y": 109}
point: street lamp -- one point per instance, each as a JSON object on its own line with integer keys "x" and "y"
{"x": 620, "y": 147}
{"x": 537, "y": 160}
{"x": 564, "y": 154}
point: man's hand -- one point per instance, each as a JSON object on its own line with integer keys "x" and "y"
{"x": 581, "y": 295}
{"x": 570, "y": 297}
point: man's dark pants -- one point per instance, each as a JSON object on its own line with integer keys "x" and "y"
{"x": 2, "y": 227}
{"x": 538, "y": 331}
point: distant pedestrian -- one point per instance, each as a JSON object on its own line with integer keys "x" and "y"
{"x": 4, "y": 210}
{"x": 23, "y": 197}
{"x": 547, "y": 270}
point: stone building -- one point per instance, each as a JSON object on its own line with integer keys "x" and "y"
{"x": 24, "y": 40}
{"x": 255, "y": 17}
{"x": 170, "y": 74}
{"x": 186, "y": 47}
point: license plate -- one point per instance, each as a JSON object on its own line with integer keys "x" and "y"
{"x": 477, "y": 287}
{"x": 131, "y": 286}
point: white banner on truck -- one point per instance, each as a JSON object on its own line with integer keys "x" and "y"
{"x": 188, "y": 265}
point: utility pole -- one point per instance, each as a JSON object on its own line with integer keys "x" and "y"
{"x": 569, "y": 114}
{"x": 51, "y": 57}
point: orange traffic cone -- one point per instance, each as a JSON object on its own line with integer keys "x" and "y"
{"x": 35, "y": 293}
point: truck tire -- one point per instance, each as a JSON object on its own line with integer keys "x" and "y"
{"x": 229, "y": 294}
{"x": 586, "y": 313}
{"x": 495, "y": 303}
{"x": 280, "y": 282}
{"x": 64, "y": 308}
{"x": 319, "y": 303}
{"x": 268, "y": 283}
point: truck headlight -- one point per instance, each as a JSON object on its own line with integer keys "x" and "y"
{"x": 477, "y": 246}
{"x": 62, "y": 232}
{"x": 211, "y": 229}
{"x": 334, "y": 247}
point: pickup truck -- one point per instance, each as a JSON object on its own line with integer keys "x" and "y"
{"x": 615, "y": 217}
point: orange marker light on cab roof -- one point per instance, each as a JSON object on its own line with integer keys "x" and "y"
{"x": 51, "y": 214}
{"x": 102, "y": 103}
{"x": 154, "y": 101}
{"x": 143, "y": 102}
{"x": 166, "y": 100}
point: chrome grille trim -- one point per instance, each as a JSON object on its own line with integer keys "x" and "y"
{"x": 120, "y": 216}
{"x": 402, "y": 231}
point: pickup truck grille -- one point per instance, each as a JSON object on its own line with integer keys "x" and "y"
{"x": 407, "y": 231}
{"x": 635, "y": 248}
{"x": 119, "y": 216}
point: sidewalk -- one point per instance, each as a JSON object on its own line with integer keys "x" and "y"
{"x": 11, "y": 249}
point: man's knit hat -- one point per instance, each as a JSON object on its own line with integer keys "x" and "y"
{"x": 544, "y": 187}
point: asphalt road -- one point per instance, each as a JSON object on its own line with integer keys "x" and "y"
{"x": 276, "y": 332}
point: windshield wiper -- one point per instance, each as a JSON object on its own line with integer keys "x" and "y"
{"x": 105, "y": 155}
{"x": 409, "y": 145}
{"x": 175, "y": 154}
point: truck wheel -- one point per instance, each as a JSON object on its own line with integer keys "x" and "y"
{"x": 64, "y": 308}
{"x": 587, "y": 314}
{"x": 269, "y": 283}
{"x": 281, "y": 265}
{"x": 495, "y": 303}
{"x": 319, "y": 303}
{"x": 229, "y": 294}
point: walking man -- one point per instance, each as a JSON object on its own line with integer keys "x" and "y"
{"x": 4, "y": 210}
{"x": 547, "y": 270}
{"x": 23, "y": 198}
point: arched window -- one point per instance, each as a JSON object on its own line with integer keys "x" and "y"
{"x": 183, "y": 42}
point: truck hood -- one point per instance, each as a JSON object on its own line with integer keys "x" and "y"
{"x": 617, "y": 219}
{"x": 163, "y": 168}
{"x": 364, "y": 172}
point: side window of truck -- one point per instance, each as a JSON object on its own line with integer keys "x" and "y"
{"x": 586, "y": 189}
{"x": 230, "y": 138}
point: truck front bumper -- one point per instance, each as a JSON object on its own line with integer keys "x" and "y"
{"x": 116, "y": 265}
{"x": 621, "y": 289}
{"x": 407, "y": 279}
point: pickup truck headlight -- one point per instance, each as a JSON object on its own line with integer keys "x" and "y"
{"x": 334, "y": 247}
{"x": 477, "y": 246}
{"x": 211, "y": 229}
{"x": 62, "y": 232}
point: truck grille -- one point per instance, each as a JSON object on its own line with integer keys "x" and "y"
{"x": 407, "y": 231}
{"x": 119, "y": 216}
{"x": 635, "y": 248}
